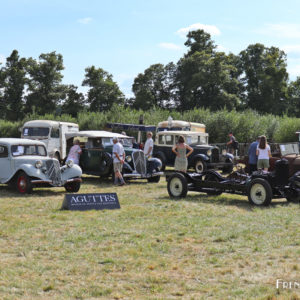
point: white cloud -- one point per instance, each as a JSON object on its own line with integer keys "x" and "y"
{"x": 211, "y": 29}
{"x": 295, "y": 49}
{"x": 85, "y": 20}
{"x": 281, "y": 30}
{"x": 169, "y": 46}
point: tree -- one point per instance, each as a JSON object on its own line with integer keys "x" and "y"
{"x": 45, "y": 88}
{"x": 265, "y": 78}
{"x": 103, "y": 92}
{"x": 13, "y": 78}
{"x": 207, "y": 78}
{"x": 73, "y": 102}
{"x": 294, "y": 98}
{"x": 154, "y": 87}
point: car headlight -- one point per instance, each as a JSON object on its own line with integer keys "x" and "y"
{"x": 224, "y": 152}
{"x": 38, "y": 164}
{"x": 70, "y": 163}
{"x": 208, "y": 152}
{"x": 128, "y": 158}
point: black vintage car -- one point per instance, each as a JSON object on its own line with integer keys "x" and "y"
{"x": 96, "y": 157}
{"x": 203, "y": 157}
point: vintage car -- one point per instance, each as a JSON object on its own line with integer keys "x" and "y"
{"x": 96, "y": 157}
{"x": 203, "y": 157}
{"x": 290, "y": 152}
{"x": 261, "y": 187}
{"x": 25, "y": 164}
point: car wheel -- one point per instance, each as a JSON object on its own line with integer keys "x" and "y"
{"x": 72, "y": 187}
{"x": 23, "y": 183}
{"x": 154, "y": 179}
{"x": 200, "y": 166}
{"x": 211, "y": 177}
{"x": 260, "y": 192}
{"x": 105, "y": 164}
{"x": 177, "y": 186}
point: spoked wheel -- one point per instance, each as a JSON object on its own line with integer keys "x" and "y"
{"x": 200, "y": 166}
{"x": 23, "y": 183}
{"x": 260, "y": 192}
{"x": 177, "y": 186}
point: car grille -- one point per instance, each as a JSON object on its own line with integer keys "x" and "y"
{"x": 215, "y": 155}
{"x": 53, "y": 171}
{"x": 139, "y": 161}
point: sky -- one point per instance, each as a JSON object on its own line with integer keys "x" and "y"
{"x": 125, "y": 37}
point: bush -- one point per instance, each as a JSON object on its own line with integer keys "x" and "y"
{"x": 246, "y": 126}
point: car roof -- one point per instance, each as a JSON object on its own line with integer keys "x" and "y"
{"x": 95, "y": 134}
{"x": 17, "y": 141}
{"x": 47, "y": 123}
{"x": 181, "y": 132}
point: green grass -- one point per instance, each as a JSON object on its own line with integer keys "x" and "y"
{"x": 199, "y": 247}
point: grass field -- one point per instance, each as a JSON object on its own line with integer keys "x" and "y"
{"x": 152, "y": 248}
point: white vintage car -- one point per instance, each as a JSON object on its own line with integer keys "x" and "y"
{"x": 25, "y": 164}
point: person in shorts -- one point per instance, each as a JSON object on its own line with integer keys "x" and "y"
{"x": 118, "y": 161}
{"x": 263, "y": 153}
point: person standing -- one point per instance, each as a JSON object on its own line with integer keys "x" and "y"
{"x": 148, "y": 148}
{"x": 75, "y": 151}
{"x": 232, "y": 143}
{"x": 181, "y": 160}
{"x": 263, "y": 153}
{"x": 118, "y": 161}
{"x": 252, "y": 156}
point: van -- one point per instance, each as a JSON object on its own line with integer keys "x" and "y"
{"x": 52, "y": 133}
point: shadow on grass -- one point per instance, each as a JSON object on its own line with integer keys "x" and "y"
{"x": 221, "y": 200}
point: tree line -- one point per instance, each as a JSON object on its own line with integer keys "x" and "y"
{"x": 204, "y": 77}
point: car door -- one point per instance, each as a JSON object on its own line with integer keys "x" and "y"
{"x": 5, "y": 164}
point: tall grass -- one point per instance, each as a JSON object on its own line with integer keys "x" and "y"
{"x": 246, "y": 125}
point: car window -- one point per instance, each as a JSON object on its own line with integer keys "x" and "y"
{"x": 19, "y": 150}
{"x": 169, "y": 139}
{"x": 35, "y": 131}
{"x": 55, "y": 132}
{"x": 161, "y": 139}
{"x": 3, "y": 151}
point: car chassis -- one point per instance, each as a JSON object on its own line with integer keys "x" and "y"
{"x": 261, "y": 187}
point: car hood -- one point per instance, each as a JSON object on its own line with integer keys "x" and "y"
{"x": 30, "y": 159}
{"x": 197, "y": 146}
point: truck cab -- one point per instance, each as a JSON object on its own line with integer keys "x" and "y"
{"x": 51, "y": 133}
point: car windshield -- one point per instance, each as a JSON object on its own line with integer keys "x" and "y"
{"x": 19, "y": 150}
{"x": 289, "y": 149}
{"x": 35, "y": 131}
{"x": 194, "y": 139}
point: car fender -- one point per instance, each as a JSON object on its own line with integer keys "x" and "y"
{"x": 199, "y": 156}
{"x": 127, "y": 168}
{"x": 30, "y": 170}
{"x": 68, "y": 173}
{"x": 156, "y": 161}
{"x": 229, "y": 156}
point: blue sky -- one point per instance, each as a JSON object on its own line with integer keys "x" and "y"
{"x": 126, "y": 37}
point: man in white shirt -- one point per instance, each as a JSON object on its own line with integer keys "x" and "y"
{"x": 118, "y": 161}
{"x": 148, "y": 148}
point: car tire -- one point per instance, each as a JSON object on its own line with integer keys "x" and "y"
{"x": 105, "y": 165}
{"x": 200, "y": 166}
{"x": 23, "y": 183}
{"x": 162, "y": 157}
{"x": 177, "y": 186}
{"x": 259, "y": 192}
{"x": 72, "y": 187}
{"x": 212, "y": 177}
{"x": 154, "y": 179}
